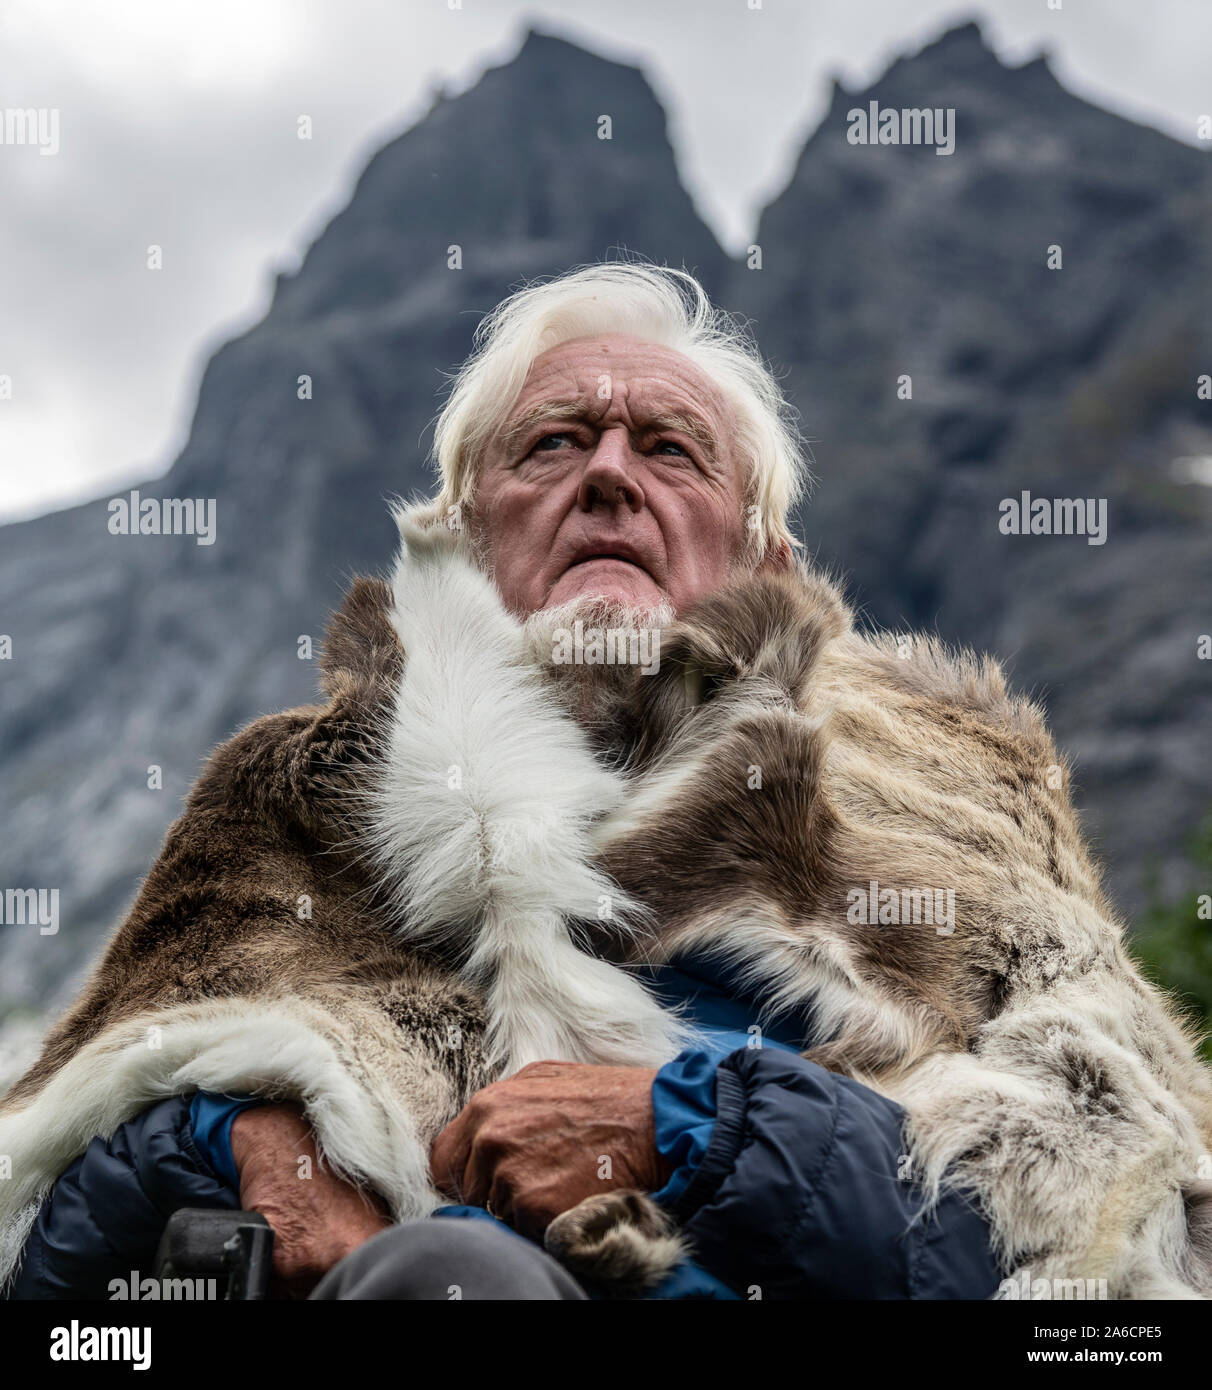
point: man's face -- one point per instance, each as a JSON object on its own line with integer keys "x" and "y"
{"x": 613, "y": 475}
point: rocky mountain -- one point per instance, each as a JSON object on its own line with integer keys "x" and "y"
{"x": 1080, "y": 382}
{"x": 877, "y": 262}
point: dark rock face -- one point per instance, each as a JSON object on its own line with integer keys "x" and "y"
{"x": 1081, "y": 382}
{"x": 877, "y": 262}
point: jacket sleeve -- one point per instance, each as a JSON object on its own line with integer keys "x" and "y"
{"x": 105, "y": 1215}
{"x": 797, "y": 1186}
{"x": 210, "y": 1121}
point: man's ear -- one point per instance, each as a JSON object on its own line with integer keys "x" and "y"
{"x": 778, "y": 559}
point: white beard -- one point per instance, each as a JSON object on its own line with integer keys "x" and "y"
{"x": 592, "y": 693}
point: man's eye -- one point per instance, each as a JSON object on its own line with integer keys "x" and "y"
{"x": 550, "y": 442}
{"x": 673, "y": 444}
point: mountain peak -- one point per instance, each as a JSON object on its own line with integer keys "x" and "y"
{"x": 542, "y": 48}
{"x": 968, "y": 35}
{"x": 515, "y": 183}
{"x": 959, "y": 50}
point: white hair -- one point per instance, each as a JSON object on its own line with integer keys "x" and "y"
{"x": 654, "y": 303}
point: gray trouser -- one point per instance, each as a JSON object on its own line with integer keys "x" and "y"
{"x": 448, "y": 1258}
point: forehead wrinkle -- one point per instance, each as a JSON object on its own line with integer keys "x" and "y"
{"x": 579, "y": 409}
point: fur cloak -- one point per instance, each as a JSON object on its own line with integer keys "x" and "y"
{"x": 377, "y": 905}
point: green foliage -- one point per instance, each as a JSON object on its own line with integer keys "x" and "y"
{"x": 1173, "y": 942}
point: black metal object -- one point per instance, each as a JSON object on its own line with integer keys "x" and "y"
{"x": 236, "y": 1246}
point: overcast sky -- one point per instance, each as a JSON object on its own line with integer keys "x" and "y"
{"x": 177, "y": 127}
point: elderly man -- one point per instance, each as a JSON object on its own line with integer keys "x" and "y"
{"x": 614, "y": 445}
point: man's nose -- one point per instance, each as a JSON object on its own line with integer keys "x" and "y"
{"x": 610, "y": 478}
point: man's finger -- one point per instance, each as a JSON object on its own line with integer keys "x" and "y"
{"x": 499, "y": 1199}
{"x": 450, "y": 1152}
{"x": 448, "y": 1155}
{"x": 479, "y": 1185}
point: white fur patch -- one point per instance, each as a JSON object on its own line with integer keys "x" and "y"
{"x": 483, "y": 818}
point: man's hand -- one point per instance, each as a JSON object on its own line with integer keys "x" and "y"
{"x": 540, "y": 1142}
{"x": 317, "y": 1219}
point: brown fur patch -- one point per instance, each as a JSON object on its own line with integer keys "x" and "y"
{"x": 261, "y": 890}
